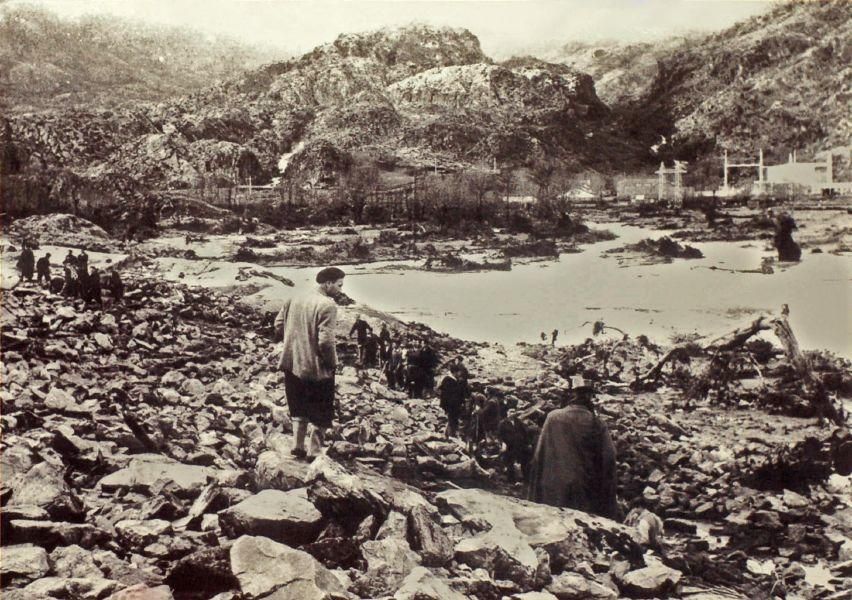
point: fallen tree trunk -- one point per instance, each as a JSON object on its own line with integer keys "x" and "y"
{"x": 720, "y": 351}
{"x": 727, "y": 342}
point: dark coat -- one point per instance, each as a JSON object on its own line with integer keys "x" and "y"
{"x": 574, "y": 463}
{"x": 452, "y": 392}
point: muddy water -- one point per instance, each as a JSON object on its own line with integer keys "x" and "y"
{"x": 686, "y": 296}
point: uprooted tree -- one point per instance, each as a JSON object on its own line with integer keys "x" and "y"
{"x": 725, "y": 352}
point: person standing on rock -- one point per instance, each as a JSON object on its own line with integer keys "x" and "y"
{"x": 26, "y": 262}
{"x": 70, "y": 259}
{"x": 360, "y": 328}
{"x": 43, "y": 269}
{"x": 553, "y": 335}
{"x": 574, "y": 461}
{"x": 93, "y": 287}
{"x": 307, "y": 325}
{"x": 452, "y": 392}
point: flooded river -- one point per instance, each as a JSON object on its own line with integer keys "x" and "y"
{"x": 686, "y": 296}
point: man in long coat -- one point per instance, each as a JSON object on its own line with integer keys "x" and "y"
{"x": 574, "y": 462}
{"x": 307, "y": 326}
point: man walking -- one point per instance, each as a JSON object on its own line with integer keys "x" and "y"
{"x": 43, "y": 269}
{"x": 574, "y": 462}
{"x": 361, "y": 328}
{"x": 307, "y": 327}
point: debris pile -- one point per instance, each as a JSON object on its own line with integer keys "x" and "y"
{"x": 146, "y": 453}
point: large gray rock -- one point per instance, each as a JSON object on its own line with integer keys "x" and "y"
{"x": 24, "y": 562}
{"x": 85, "y": 588}
{"x": 277, "y": 471}
{"x": 44, "y": 485}
{"x": 143, "y": 592}
{"x": 287, "y": 517}
{"x": 138, "y": 534}
{"x": 513, "y": 525}
{"x": 74, "y": 561}
{"x": 274, "y": 571}
{"x": 389, "y": 561}
{"x": 571, "y": 586}
{"x": 55, "y": 533}
{"x": 428, "y": 538}
{"x": 145, "y": 470}
{"x": 337, "y": 492}
{"x": 649, "y": 582}
{"x": 422, "y": 584}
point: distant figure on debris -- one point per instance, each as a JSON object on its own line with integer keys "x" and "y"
{"x": 428, "y": 363}
{"x": 543, "y": 337}
{"x": 574, "y": 462}
{"x": 306, "y": 324}
{"x": 788, "y": 250}
{"x": 415, "y": 377}
{"x": 553, "y": 335}
{"x": 71, "y": 287}
{"x": 452, "y": 392}
{"x": 82, "y": 260}
{"x": 116, "y": 285}
{"x": 26, "y": 262}
{"x": 385, "y": 340}
{"x": 70, "y": 259}
{"x": 371, "y": 351}
{"x": 93, "y": 287}
{"x": 360, "y": 328}
{"x": 43, "y": 269}
{"x": 519, "y": 443}
{"x": 485, "y": 418}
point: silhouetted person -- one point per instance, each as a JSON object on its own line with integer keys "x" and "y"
{"x": 788, "y": 250}
{"x": 26, "y": 263}
{"x": 116, "y": 285}
{"x": 43, "y": 269}
{"x": 93, "y": 287}
{"x": 574, "y": 462}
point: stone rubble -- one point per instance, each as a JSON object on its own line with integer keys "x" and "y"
{"x": 159, "y": 466}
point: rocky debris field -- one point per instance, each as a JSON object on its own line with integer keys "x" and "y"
{"x": 145, "y": 454}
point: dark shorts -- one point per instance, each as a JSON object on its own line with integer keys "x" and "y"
{"x": 310, "y": 400}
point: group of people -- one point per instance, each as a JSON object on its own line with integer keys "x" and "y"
{"x": 568, "y": 461}
{"x": 407, "y": 364}
{"x": 79, "y": 280}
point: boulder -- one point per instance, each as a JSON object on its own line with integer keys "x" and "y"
{"x": 511, "y": 524}
{"x": 287, "y": 517}
{"x": 145, "y": 470}
{"x": 51, "y": 534}
{"x": 85, "y": 588}
{"x": 428, "y": 538}
{"x": 23, "y": 562}
{"x": 205, "y": 572}
{"x": 74, "y": 562}
{"x": 143, "y": 592}
{"x": 571, "y": 586}
{"x": 389, "y": 561}
{"x": 649, "y": 582}
{"x": 138, "y": 534}
{"x": 277, "y": 469}
{"x": 339, "y": 494}
{"x": 193, "y": 387}
{"x": 422, "y": 584}
{"x": 501, "y": 552}
{"x": 44, "y": 485}
{"x": 395, "y": 526}
{"x": 273, "y": 571}
{"x": 59, "y": 400}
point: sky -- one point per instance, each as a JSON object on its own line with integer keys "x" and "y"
{"x": 502, "y": 26}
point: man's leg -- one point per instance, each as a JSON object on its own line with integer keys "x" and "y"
{"x": 317, "y": 440}
{"x": 300, "y": 430}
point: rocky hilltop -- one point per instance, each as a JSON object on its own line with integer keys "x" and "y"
{"x": 777, "y": 81}
{"x": 427, "y": 97}
{"x": 100, "y": 61}
{"x": 416, "y": 96}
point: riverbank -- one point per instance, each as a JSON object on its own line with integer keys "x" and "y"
{"x": 750, "y": 501}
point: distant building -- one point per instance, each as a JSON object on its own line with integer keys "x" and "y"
{"x": 814, "y": 176}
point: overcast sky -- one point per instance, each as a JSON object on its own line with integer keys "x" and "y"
{"x": 503, "y": 26}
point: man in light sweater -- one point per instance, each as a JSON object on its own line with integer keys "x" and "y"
{"x": 307, "y": 324}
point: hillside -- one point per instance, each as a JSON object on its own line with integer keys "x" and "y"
{"x": 99, "y": 61}
{"x": 422, "y": 97}
{"x": 779, "y": 81}
{"x": 413, "y": 97}
{"x": 622, "y": 72}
